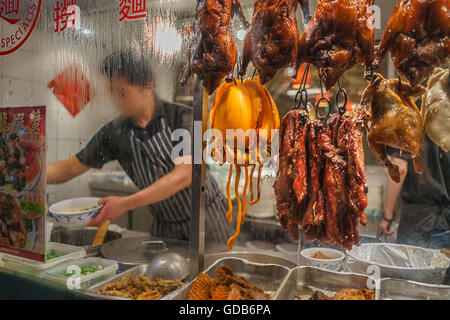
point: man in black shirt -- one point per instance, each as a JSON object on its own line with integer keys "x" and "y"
{"x": 425, "y": 216}
{"x": 141, "y": 140}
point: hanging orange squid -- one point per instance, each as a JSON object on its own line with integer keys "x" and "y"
{"x": 245, "y": 114}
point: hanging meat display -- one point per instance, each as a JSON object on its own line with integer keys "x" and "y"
{"x": 242, "y": 106}
{"x": 418, "y": 36}
{"x": 436, "y": 109}
{"x": 271, "y": 42}
{"x": 340, "y": 35}
{"x": 394, "y": 120}
{"x": 213, "y": 53}
{"x": 321, "y": 183}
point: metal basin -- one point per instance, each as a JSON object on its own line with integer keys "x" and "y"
{"x": 83, "y": 238}
{"x": 255, "y": 257}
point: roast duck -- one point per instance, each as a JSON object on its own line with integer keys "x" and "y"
{"x": 213, "y": 53}
{"x": 271, "y": 43}
{"x": 436, "y": 109}
{"x": 417, "y": 35}
{"x": 340, "y": 35}
{"x": 394, "y": 120}
{"x": 321, "y": 183}
{"x": 242, "y": 106}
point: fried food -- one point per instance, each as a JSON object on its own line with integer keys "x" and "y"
{"x": 320, "y": 255}
{"x": 202, "y": 288}
{"x": 140, "y": 287}
{"x": 227, "y": 286}
{"x": 346, "y": 294}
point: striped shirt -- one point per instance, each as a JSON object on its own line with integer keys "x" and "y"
{"x": 145, "y": 155}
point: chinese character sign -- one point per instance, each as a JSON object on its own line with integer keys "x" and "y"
{"x": 65, "y": 15}
{"x": 17, "y": 21}
{"x": 22, "y": 182}
{"x": 132, "y": 9}
{"x": 8, "y": 8}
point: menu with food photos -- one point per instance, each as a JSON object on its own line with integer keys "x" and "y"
{"x": 23, "y": 182}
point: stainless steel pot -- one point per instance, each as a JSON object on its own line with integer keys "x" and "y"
{"x": 83, "y": 238}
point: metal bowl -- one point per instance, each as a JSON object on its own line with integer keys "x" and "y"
{"x": 83, "y": 238}
{"x": 170, "y": 265}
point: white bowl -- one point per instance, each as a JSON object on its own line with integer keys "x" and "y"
{"x": 336, "y": 263}
{"x": 75, "y": 219}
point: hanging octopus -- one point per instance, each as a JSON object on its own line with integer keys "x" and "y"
{"x": 242, "y": 106}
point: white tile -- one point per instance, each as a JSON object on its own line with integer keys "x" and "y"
{"x": 18, "y": 65}
{"x": 51, "y": 150}
{"x": 16, "y": 92}
{"x": 43, "y": 67}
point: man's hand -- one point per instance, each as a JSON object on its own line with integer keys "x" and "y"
{"x": 385, "y": 227}
{"x": 113, "y": 208}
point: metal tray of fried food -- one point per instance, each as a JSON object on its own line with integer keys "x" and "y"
{"x": 136, "y": 271}
{"x": 398, "y": 289}
{"x": 302, "y": 282}
{"x": 265, "y": 276}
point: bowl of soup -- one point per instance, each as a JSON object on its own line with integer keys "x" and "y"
{"x": 324, "y": 258}
{"x": 77, "y": 212}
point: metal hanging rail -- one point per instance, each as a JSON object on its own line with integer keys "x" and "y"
{"x": 197, "y": 231}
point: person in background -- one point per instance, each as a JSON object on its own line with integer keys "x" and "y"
{"x": 140, "y": 139}
{"x": 425, "y": 210}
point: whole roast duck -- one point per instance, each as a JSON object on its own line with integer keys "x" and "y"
{"x": 213, "y": 53}
{"x": 340, "y": 34}
{"x": 436, "y": 109}
{"x": 394, "y": 120}
{"x": 272, "y": 40}
{"x": 417, "y": 35}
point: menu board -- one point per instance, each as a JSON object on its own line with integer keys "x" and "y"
{"x": 22, "y": 182}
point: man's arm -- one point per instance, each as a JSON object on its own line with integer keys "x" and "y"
{"x": 65, "y": 170}
{"x": 172, "y": 183}
{"x": 393, "y": 190}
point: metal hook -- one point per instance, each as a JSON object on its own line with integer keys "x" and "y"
{"x": 254, "y": 74}
{"x": 342, "y": 108}
{"x": 323, "y": 119}
{"x": 302, "y": 92}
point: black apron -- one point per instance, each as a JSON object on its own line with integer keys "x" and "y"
{"x": 151, "y": 160}
{"x": 425, "y": 199}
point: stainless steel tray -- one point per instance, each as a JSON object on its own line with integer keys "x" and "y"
{"x": 265, "y": 276}
{"x": 301, "y": 283}
{"x": 397, "y": 289}
{"x": 138, "y": 270}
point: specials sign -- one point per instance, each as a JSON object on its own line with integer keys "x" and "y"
{"x": 22, "y": 182}
{"x": 18, "y": 19}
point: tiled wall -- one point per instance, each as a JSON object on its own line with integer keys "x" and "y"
{"x": 24, "y": 78}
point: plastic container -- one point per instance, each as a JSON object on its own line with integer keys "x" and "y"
{"x": 83, "y": 282}
{"x": 48, "y": 230}
{"x": 70, "y": 253}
